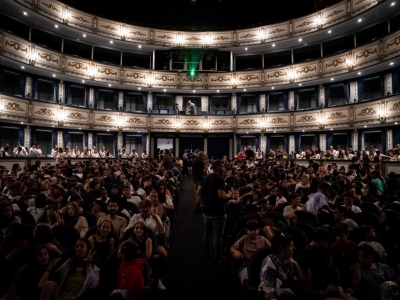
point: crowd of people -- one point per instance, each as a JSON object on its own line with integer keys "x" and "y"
{"x": 89, "y": 229}
{"x": 324, "y": 232}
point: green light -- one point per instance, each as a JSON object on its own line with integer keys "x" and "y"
{"x": 191, "y": 73}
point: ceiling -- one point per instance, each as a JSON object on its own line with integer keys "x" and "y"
{"x": 199, "y": 15}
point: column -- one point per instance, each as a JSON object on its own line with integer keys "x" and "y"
{"x": 91, "y": 98}
{"x": 353, "y": 92}
{"x": 179, "y": 101}
{"x": 120, "y": 101}
{"x": 389, "y": 139}
{"x": 204, "y": 103}
{"x": 388, "y": 86}
{"x": 354, "y": 138}
{"x": 291, "y": 100}
{"x": 234, "y": 146}
{"x": 149, "y": 102}
{"x": 321, "y": 96}
{"x": 205, "y": 145}
{"x": 176, "y": 147}
{"x": 90, "y": 140}
{"x": 231, "y": 62}
{"x": 291, "y": 145}
{"x": 61, "y": 93}
{"x": 151, "y": 152}
{"x": 233, "y": 104}
{"x": 60, "y": 140}
{"x": 322, "y": 142}
{"x": 28, "y": 87}
{"x": 263, "y": 143}
{"x": 120, "y": 140}
{"x": 148, "y": 144}
{"x": 27, "y": 137}
{"x": 231, "y": 154}
{"x": 262, "y": 103}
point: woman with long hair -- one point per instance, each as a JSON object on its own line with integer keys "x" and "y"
{"x": 49, "y": 216}
{"x": 103, "y": 241}
{"x": 74, "y": 278}
{"x": 44, "y": 236}
{"x": 73, "y": 218}
{"x": 7, "y": 217}
{"x": 141, "y": 237}
{"x": 163, "y": 195}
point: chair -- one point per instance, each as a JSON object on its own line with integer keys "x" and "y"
{"x": 300, "y": 240}
{"x": 254, "y": 267}
{"x": 87, "y": 199}
{"x": 230, "y": 225}
{"x": 281, "y": 207}
{"x": 393, "y": 206}
{"x": 369, "y": 199}
{"x": 90, "y": 218}
{"x": 367, "y": 218}
{"x": 26, "y": 218}
{"x": 66, "y": 235}
{"x": 231, "y": 209}
{"x": 132, "y": 208}
{"x": 347, "y": 260}
{"x": 370, "y": 207}
{"x": 312, "y": 220}
{"x": 90, "y": 232}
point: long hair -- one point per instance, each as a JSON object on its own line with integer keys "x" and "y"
{"x": 71, "y": 220}
{"x": 43, "y": 218}
{"x": 145, "y": 234}
{"x": 161, "y": 197}
{"x": 75, "y": 261}
{"x": 98, "y": 232}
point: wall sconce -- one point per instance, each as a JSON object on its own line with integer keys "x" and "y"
{"x": 67, "y": 15}
{"x": 262, "y": 35}
{"x": 349, "y": 64}
{"x": 179, "y": 39}
{"x": 382, "y": 117}
{"x": 318, "y": 21}
{"x": 92, "y": 73}
{"x": 123, "y": 33}
{"x": 263, "y": 129}
{"x": 32, "y": 59}
{"x": 60, "y": 117}
{"x": 321, "y": 123}
{"x": 150, "y": 81}
{"x": 120, "y": 122}
{"x": 234, "y": 83}
{"x": 178, "y": 123}
{"x": 291, "y": 76}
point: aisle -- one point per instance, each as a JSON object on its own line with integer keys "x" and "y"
{"x": 188, "y": 276}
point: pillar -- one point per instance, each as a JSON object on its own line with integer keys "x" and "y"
{"x": 91, "y": 98}
{"x": 388, "y": 86}
{"x": 262, "y": 103}
{"x": 389, "y": 139}
{"x": 291, "y": 145}
{"x": 28, "y": 87}
{"x": 263, "y": 143}
{"x": 60, "y": 140}
{"x": 120, "y": 100}
{"x": 233, "y": 104}
{"x": 291, "y": 100}
{"x": 176, "y": 147}
{"x": 354, "y": 139}
{"x": 353, "y": 92}
{"x": 149, "y": 102}
{"x": 322, "y": 142}
{"x": 204, "y": 103}
{"x": 61, "y": 93}
{"x": 90, "y": 140}
{"x": 27, "y": 137}
{"x": 120, "y": 140}
{"x": 321, "y": 96}
{"x": 179, "y": 101}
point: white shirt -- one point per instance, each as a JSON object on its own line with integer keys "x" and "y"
{"x": 355, "y": 209}
{"x": 280, "y": 200}
{"x": 316, "y": 202}
{"x": 149, "y": 222}
{"x": 134, "y": 199}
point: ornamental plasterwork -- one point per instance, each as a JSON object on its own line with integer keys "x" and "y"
{"x": 249, "y": 122}
{"x": 306, "y": 69}
{"x": 50, "y": 6}
{"x": 107, "y": 71}
{"x": 192, "y": 39}
{"x": 367, "y": 53}
{"x": 335, "y": 13}
{"x": 165, "y": 37}
{"x": 249, "y": 77}
{"x": 135, "y": 75}
{"x": 394, "y": 41}
{"x": 135, "y": 121}
{"x": 395, "y": 107}
{"x": 335, "y": 63}
{"x": 108, "y": 27}
{"x": 48, "y": 57}
{"x": 78, "y": 65}
{"x": 105, "y": 119}
{"x": 45, "y": 112}
{"x": 191, "y": 79}
{"x": 248, "y": 36}
{"x": 278, "y": 30}
{"x": 220, "y": 79}
{"x": 76, "y": 116}
{"x": 278, "y": 121}
{"x": 337, "y": 115}
{"x": 137, "y": 33}
{"x": 276, "y": 74}
{"x": 13, "y": 106}
{"x": 17, "y": 46}
{"x": 221, "y": 38}
{"x": 163, "y": 122}
{"x": 220, "y": 122}
{"x": 191, "y": 123}
{"x": 367, "y": 112}
{"x": 305, "y": 24}
{"x": 306, "y": 119}
{"x": 80, "y": 19}
{"x": 165, "y": 78}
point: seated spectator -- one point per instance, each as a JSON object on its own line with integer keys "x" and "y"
{"x": 321, "y": 238}
{"x": 369, "y": 275}
{"x": 13, "y": 241}
{"x": 126, "y": 194}
{"x": 73, "y": 218}
{"x": 300, "y": 220}
{"x": 319, "y": 199}
{"x": 29, "y": 280}
{"x": 141, "y": 237}
{"x": 376, "y": 180}
{"x": 39, "y": 208}
{"x": 323, "y": 279}
{"x": 342, "y": 244}
{"x": 340, "y": 216}
{"x": 304, "y": 183}
{"x": 163, "y": 197}
{"x": 7, "y": 217}
{"x": 44, "y": 236}
{"x": 368, "y": 237}
{"x": 295, "y": 200}
{"x": 279, "y": 190}
{"x": 103, "y": 242}
{"x": 130, "y": 279}
{"x": 49, "y": 217}
{"x": 98, "y": 208}
{"x": 280, "y": 267}
{"x": 75, "y": 277}
{"x": 119, "y": 223}
{"x": 54, "y": 197}
{"x": 348, "y": 203}
{"x": 247, "y": 245}
{"x": 388, "y": 229}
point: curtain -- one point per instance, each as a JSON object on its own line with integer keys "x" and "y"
{"x": 94, "y": 140}
{"x": 383, "y": 93}
{"x": 144, "y": 142}
{"x": 238, "y": 143}
{"x": 360, "y": 92}
{"x": 21, "y": 84}
{"x": 395, "y": 82}
{"x": 267, "y": 144}
{"x": 317, "y": 140}
{"x": 285, "y": 101}
{"x": 326, "y": 104}
{"x": 329, "y": 140}
{"x": 297, "y": 142}
{"x": 257, "y": 98}
{"x": 285, "y": 143}
{"x": 267, "y": 103}
{"x": 154, "y": 102}
{"x": 33, "y": 135}
{"x": 21, "y": 137}
{"x": 238, "y": 103}
{"x": 346, "y": 90}
{"x": 296, "y": 103}
{"x": 54, "y": 138}
{"x": 383, "y": 139}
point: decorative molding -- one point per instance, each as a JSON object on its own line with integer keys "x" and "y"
{"x": 395, "y": 107}
{"x": 107, "y": 71}
{"x": 80, "y": 19}
{"x": 249, "y": 77}
{"x": 138, "y": 33}
{"x": 306, "y": 69}
{"x": 135, "y": 75}
{"x": 249, "y": 122}
{"x": 163, "y": 122}
{"x": 276, "y": 74}
{"x": 165, "y": 37}
{"x": 220, "y": 122}
{"x": 220, "y": 79}
{"x": 304, "y": 24}
{"x": 105, "y": 119}
{"x": 278, "y": 30}
{"x": 367, "y": 112}
{"x": 192, "y": 79}
{"x": 367, "y": 53}
{"x": 165, "y": 78}
{"x": 77, "y": 65}
{"x": 192, "y": 39}
{"x": 334, "y": 13}
{"x": 51, "y": 6}
{"x": 278, "y": 121}
{"x": 13, "y": 106}
{"x": 221, "y": 38}
{"x": 76, "y": 116}
{"x": 394, "y": 41}
{"x": 17, "y": 46}
{"x": 306, "y": 119}
{"x": 335, "y": 63}
{"x": 337, "y": 115}
{"x": 45, "y": 112}
{"x": 108, "y": 27}
{"x": 191, "y": 123}
{"x": 48, "y": 57}
{"x": 247, "y": 36}
{"x": 135, "y": 121}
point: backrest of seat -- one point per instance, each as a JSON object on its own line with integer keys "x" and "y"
{"x": 254, "y": 267}
{"x": 300, "y": 240}
{"x": 370, "y": 207}
{"x": 66, "y": 235}
{"x": 231, "y": 209}
{"x": 90, "y": 218}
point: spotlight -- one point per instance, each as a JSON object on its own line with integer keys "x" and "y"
{"x": 84, "y": 35}
{"x": 359, "y": 20}
{"x": 22, "y": 67}
{"x": 56, "y": 26}
{"x": 300, "y": 40}
{"x": 25, "y": 14}
{"x": 111, "y": 42}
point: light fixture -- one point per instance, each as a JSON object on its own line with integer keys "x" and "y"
{"x": 303, "y": 130}
{"x": 83, "y": 81}
{"x": 359, "y": 20}
{"x": 54, "y": 75}
{"x": 109, "y": 85}
{"x": 244, "y": 90}
{"x": 25, "y": 14}
{"x": 80, "y": 128}
{"x": 84, "y": 35}
{"x": 273, "y": 45}
{"x": 391, "y": 63}
{"x": 274, "y": 131}
{"x": 140, "y": 46}
{"x": 22, "y": 122}
{"x": 395, "y": 123}
{"x": 331, "y": 79}
{"x": 56, "y": 26}
{"x": 138, "y": 130}
{"x": 272, "y": 88}
{"x": 359, "y": 73}
{"x": 111, "y": 42}
{"x": 22, "y": 67}
{"x": 330, "y": 31}
{"x": 139, "y": 88}
{"x": 108, "y": 129}
{"x": 299, "y": 84}
{"x": 165, "y": 90}
{"x": 194, "y": 91}
{"x": 217, "y": 91}
{"x": 365, "y": 126}
{"x": 331, "y": 128}
{"x": 392, "y": 4}
{"x": 300, "y": 40}
{"x": 245, "y": 48}
{"x": 247, "y": 132}
{"x": 52, "y": 126}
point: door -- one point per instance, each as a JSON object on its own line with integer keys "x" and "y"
{"x": 218, "y": 147}
{"x": 191, "y": 144}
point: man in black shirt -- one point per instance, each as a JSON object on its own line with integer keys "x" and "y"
{"x": 214, "y": 198}
{"x": 249, "y": 153}
{"x": 168, "y": 161}
{"x": 198, "y": 176}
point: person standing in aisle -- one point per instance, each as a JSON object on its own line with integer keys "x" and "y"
{"x": 198, "y": 177}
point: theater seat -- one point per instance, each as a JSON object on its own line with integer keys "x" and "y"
{"x": 254, "y": 267}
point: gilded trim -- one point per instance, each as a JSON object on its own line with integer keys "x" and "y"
{"x": 367, "y": 112}
{"x": 105, "y": 119}
{"x": 276, "y": 74}
{"x": 135, "y": 121}
{"x": 50, "y": 6}
{"x": 220, "y": 122}
{"x": 367, "y": 53}
{"x": 191, "y": 123}
{"x": 45, "y": 112}
{"x": 337, "y": 115}
{"x": 107, "y": 71}
{"x": 76, "y": 116}
{"x": 163, "y": 122}
{"x": 48, "y": 57}
{"x": 17, "y": 46}
{"x": 77, "y": 65}
{"x": 278, "y": 121}
{"x": 14, "y": 106}
{"x": 249, "y": 122}
{"x": 306, "y": 119}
